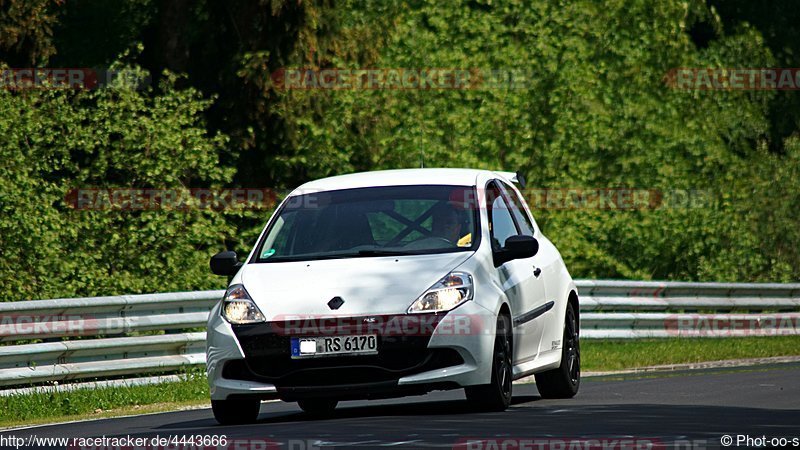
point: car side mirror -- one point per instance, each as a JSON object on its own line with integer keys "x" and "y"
{"x": 225, "y": 263}
{"x": 517, "y": 247}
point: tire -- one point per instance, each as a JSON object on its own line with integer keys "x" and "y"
{"x": 564, "y": 381}
{"x": 496, "y": 396}
{"x": 235, "y": 412}
{"x": 318, "y": 407}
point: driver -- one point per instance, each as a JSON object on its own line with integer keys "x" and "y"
{"x": 446, "y": 223}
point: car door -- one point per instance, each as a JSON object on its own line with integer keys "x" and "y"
{"x": 524, "y": 290}
{"x": 546, "y": 268}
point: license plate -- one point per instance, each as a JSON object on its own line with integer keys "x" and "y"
{"x": 334, "y": 345}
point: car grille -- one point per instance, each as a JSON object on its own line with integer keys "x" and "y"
{"x": 268, "y": 359}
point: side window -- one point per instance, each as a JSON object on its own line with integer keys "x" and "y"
{"x": 518, "y": 210}
{"x": 501, "y": 224}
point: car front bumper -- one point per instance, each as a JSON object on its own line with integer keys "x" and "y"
{"x": 416, "y": 354}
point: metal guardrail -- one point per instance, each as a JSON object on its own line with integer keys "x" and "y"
{"x": 651, "y": 309}
{"x": 102, "y": 337}
{"x": 143, "y": 335}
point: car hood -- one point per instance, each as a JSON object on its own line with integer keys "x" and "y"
{"x": 368, "y": 286}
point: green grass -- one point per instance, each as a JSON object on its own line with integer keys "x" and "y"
{"x": 606, "y": 355}
{"x": 596, "y": 355}
{"x": 103, "y": 402}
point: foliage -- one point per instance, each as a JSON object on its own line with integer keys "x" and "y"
{"x": 54, "y": 141}
{"x": 595, "y": 113}
{"x": 26, "y": 31}
{"x": 592, "y": 111}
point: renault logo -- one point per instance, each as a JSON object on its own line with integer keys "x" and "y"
{"x": 335, "y": 303}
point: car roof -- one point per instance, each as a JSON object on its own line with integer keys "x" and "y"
{"x": 399, "y": 177}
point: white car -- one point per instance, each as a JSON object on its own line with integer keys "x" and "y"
{"x": 393, "y": 283}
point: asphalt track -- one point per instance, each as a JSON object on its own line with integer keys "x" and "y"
{"x": 691, "y": 409}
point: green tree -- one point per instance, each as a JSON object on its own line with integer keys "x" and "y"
{"x": 592, "y": 111}
{"x": 54, "y": 141}
{"x": 26, "y": 31}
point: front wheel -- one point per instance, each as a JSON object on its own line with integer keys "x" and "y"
{"x": 563, "y": 382}
{"x": 235, "y": 412}
{"x": 496, "y": 396}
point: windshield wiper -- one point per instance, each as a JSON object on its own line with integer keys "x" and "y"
{"x": 312, "y": 257}
{"x": 378, "y": 252}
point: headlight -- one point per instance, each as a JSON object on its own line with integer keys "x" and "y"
{"x": 446, "y": 294}
{"x": 238, "y": 307}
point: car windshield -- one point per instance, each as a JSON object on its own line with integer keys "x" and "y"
{"x": 375, "y": 221}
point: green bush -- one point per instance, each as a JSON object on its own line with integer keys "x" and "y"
{"x": 54, "y": 141}
{"x": 594, "y": 113}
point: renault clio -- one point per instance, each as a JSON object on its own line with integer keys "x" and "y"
{"x": 393, "y": 283}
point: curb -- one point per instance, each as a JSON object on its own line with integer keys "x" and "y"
{"x": 728, "y": 363}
